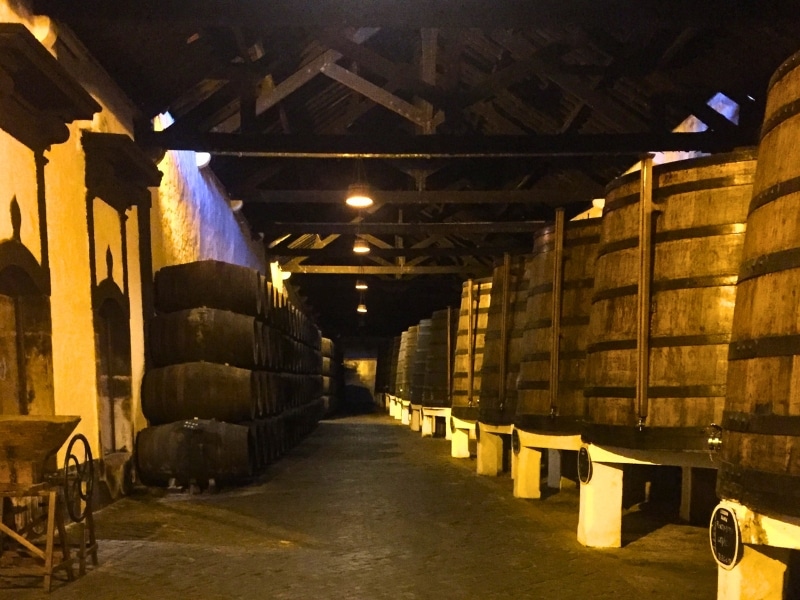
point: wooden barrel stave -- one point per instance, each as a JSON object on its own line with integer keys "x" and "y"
{"x": 470, "y": 335}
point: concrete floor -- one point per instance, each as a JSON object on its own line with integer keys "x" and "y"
{"x": 364, "y": 508}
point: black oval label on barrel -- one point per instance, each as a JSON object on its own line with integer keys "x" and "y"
{"x": 584, "y": 466}
{"x": 725, "y": 538}
{"x": 515, "y": 444}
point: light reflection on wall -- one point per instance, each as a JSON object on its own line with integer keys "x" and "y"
{"x": 192, "y": 218}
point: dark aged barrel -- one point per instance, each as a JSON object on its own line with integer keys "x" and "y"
{"x": 209, "y": 283}
{"x": 502, "y": 351}
{"x": 393, "y": 366}
{"x": 760, "y": 461}
{"x": 195, "y": 451}
{"x": 438, "y": 372}
{"x": 565, "y": 414}
{"x": 421, "y": 354}
{"x": 473, "y": 316}
{"x": 405, "y": 368}
{"x": 202, "y": 390}
{"x": 700, "y": 206}
{"x": 206, "y": 334}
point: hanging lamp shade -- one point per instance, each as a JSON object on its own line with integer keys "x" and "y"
{"x": 360, "y": 246}
{"x": 361, "y": 284}
{"x": 362, "y": 308}
{"x": 359, "y": 195}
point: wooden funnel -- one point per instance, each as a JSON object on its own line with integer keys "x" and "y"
{"x": 26, "y": 442}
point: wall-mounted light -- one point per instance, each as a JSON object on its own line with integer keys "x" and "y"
{"x": 361, "y": 284}
{"x": 360, "y": 246}
{"x": 202, "y": 159}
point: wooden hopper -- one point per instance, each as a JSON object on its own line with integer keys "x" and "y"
{"x": 26, "y": 442}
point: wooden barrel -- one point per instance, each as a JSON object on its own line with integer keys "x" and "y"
{"x": 437, "y": 391}
{"x": 209, "y": 283}
{"x": 698, "y": 225}
{"x": 405, "y": 364}
{"x": 760, "y": 466}
{"x": 502, "y": 351}
{"x": 537, "y": 409}
{"x": 476, "y": 297}
{"x": 206, "y": 334}
{"x": 420, "y": 361}
{"x": 393, "y": 365}
{"x": 195, "y": 451}
{"x": 202, "y": 390}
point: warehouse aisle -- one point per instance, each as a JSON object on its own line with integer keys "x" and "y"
{"x": 364, "y": 508}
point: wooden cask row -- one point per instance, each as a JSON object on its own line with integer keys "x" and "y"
{"x": 700, "y": 206}
{"x": 393, "y": 365}
{"x": 438, "y": 371}
{"x": 202, "y": 390}
{"x": 761, "y": 438}
{"x": 536, "y": 410}
{"x": 502, "y": 352}
{"x": 206, "y": 334}
{"x": 209, "y": 283}
{"x": 405, "y": 368}
{"x": 195, "y": 450}
{"x": 420, "y": 360}
{"x": 470, "y": 340}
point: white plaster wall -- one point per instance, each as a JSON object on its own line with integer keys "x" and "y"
{"x": 18, "y": 177}
{"x": 137, "y": 324}
{"x": 192, "y": 219}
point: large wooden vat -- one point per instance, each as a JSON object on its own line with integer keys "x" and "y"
{"x": 437, "y": 391}
{"x": 502, "y": 351}
{"x": 761, "y": 440}
{"x": 550, "y": 393}
{"x": 405, "y": 363}
{"x": 470, "y": 337}
{"x": 420, "y": 360}
{"x": 393, "y": 366}
{"x": 697, "y": 223}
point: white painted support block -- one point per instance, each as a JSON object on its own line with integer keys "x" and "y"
{"x": 490, "y": 453}
{"x": 405, "y": 413}
{"x": 416, "y": 417}
{"x": 459, "y": 444}
{"x": 554, "y": 469}
{"x": 448, "y": 431}
{"x": 395, "y": 408}
{"x": 760, "y": 575}
{"x": 527, "y": 483}
{"x": 600, "y": 516}
{"x": 428, "y": 424}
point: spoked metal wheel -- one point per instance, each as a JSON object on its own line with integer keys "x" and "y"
{"x": 78, "y": 477}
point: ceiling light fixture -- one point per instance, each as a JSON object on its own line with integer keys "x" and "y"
{"x": 361, "y": 284}
{"x": 362, "y": 308}
{"x": 358, "y": 193}
{"x": 360, "y": 246}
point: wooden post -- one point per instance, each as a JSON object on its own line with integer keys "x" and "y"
{"x": 504, "y": 330}
{"x": 645, "y": 269}
{"x": 555, "y": 328}
{"x": 471, "y": 335}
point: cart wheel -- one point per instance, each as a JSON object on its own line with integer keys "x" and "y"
{"x": 78, "y": 477}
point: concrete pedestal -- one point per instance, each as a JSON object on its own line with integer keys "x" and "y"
{"x": 491, "y": 448}
{"x": 600, "y": 517}
{"x": 533, "y": 446}
{"x": 429, "y": 416}
{"x": 416, "y": 417}
{"x": 405, "y": 412}
{"x": 527, "y": 483}
{"x": 763, "y": 571}
{"x": 461, "y": 433}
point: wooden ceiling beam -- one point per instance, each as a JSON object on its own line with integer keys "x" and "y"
{"x": 429, "y": 252}
{"x": 384, "y": 270}
{"x": 440, "y": 146}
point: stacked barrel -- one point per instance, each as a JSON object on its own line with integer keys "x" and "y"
{"x": 234, "y": 378}
{"x": 330, "y": 377}
{"x": 437, "y": 386}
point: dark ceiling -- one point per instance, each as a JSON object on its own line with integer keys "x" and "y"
{"x": 474, "y": 119}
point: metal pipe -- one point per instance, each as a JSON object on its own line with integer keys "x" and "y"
{"x": 471, "y": 335}
{"x": 504, "y": 329}
{"x": 645, "y": 272}
{"x": 555, "y": 329}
